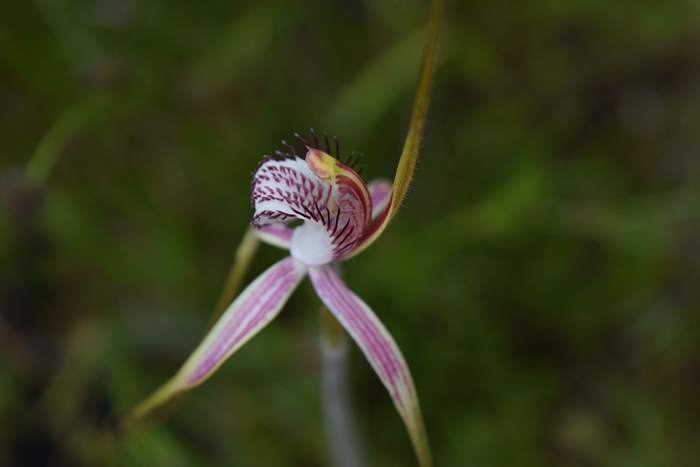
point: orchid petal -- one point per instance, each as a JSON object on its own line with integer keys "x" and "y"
{"x": 252, "y": 310}
{"x": 411, "y": 147}
{"x": 380, "y": 192}
{"x": 380, "y": 350}
{"x": 278, "y": 235}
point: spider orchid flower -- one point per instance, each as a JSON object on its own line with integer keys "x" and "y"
{"x": 338, "y": 213}
{"x": 322, "y": 211}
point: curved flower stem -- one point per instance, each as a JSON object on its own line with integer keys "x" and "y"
{"x": 341, "y": 430}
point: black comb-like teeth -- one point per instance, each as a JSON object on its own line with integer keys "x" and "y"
{"x": 327, "y": 143}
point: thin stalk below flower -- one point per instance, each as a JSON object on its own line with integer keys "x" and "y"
{"x": 341, "y": 431}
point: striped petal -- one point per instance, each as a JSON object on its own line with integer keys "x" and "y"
{"x": 329, "y": 197}
{"x": 254, "y": 308}
{"x": 285, "y": 190}
{"x": 380, "y": 350}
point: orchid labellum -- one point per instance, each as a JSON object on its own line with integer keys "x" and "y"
{"x": 336, "y": 215}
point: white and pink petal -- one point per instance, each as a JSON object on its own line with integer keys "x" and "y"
{"x": 286, "y": 189}
{"x": 249, "y": 313}
{"x": 379, "y": 348}
{"x": 252, "y": 310}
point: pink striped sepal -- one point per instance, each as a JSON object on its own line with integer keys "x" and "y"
{"x": 252, "y": 310}
{"x": 379, "y": 348}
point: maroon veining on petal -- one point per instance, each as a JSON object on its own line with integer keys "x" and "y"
{"x": 289, "y": 189}
{"x": 284, "y": 190}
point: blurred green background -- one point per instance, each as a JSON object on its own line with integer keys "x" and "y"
{"x": 541, "y": 278}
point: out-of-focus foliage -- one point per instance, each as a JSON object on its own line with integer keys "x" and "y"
{"x": 541, "y": 277}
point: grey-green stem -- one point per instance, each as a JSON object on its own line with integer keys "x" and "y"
{"x": 341, "y": 431}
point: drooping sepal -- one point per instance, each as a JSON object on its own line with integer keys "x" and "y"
{"x": 379, "y": 348}
{"x": 251, "y": 311}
